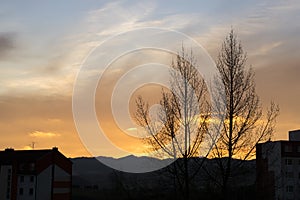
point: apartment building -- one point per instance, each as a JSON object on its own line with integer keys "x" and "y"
{"x": 278, "y": 169}
{"x": 35, "y": 175}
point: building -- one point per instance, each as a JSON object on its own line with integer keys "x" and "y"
{"x": 35, "y": 175}
{"x": 278, "y": 169}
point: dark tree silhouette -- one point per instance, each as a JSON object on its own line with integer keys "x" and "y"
{"x": 183, "y": 115}
{"x": 244, "y": 124}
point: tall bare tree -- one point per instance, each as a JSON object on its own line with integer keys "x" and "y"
{"x": 183, "y": 115}
{"x": 244, "y": 124}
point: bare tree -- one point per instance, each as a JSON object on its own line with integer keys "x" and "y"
{"x": 244, "y": 124}
{"x": 182, "y": 118}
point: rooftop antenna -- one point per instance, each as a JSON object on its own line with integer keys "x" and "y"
{"x": 32, "y": 145}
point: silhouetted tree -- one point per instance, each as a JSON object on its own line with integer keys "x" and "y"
{"x": 180, "y": 127}
{"x": 243, "y": 125}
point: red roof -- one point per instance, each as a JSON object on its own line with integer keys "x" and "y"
{"x": 42, "y": 158}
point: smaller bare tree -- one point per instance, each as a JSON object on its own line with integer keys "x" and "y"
{"x": 183, "y": 117}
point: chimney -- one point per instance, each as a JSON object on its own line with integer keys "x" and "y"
{"x": 9, "y": 150}
{"x": 54, "y": 149}
{"x": 294, "y": 135}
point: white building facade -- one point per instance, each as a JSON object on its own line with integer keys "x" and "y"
{"x": 278, "y": 169}
{"x": 35, "y": 175}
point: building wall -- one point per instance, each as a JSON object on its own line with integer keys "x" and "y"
{"x": 291, "y": 168}
{"x": 60, "y": 187}
{"x": 44, "y": 184}
{"x": 273, "y": 154}
{"x": 26, "y": 187}
{"x": 62, "y": 184}
{"x": 268, "y": 163}
{"x": 278, "y": 167}
{"x": 5, "y": 180}
{"x": 294, "y": 135}
{"x": 40, "y": 175}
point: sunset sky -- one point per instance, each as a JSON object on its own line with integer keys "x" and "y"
{"x": 44, "y": 43}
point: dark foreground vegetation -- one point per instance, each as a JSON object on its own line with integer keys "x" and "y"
{"x": 93, "y": 180}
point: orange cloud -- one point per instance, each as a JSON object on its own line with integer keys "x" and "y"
{"x": 42, "y": 134}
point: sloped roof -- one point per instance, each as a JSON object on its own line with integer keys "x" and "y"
{"x": 25, "y": 156}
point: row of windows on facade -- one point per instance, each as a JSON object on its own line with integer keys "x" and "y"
{"x": 289, "y": 161}
{"x": 291, "y": 175}
{"x": 22, "y": 178}
{"x": 289, "y": 188}
{"x": 289, "y": 148}
{"x": 27, "y": 166}
{"x": 30, "y": 191}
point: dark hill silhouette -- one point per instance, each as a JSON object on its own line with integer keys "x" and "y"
{"x": 89, "y": 172}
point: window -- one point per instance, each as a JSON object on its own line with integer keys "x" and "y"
{"x": 31, "y": 178}
{"x": 289, "y": 174}
{"x": 289, "y": 188}
{"x": 7, "y": 193}
{"x": 21, "y": 191}
{"x": 9, "y": 171}
{"x": 31, "y": 191}
{"x": 288, "y": 148}
{"x": 21, "y": 179}
{"x": 288, "y": 161}
{"x": 31, "y": 166}
{"x": 22, "y": 166}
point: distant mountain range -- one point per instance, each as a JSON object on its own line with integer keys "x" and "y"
{"x": 133, "y": 164}
{"x": 90, "y": 173}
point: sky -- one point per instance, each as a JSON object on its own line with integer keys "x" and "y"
{"x": 43, "y": 45}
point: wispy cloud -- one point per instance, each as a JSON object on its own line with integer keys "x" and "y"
{"x": 42, "y": 134}
{"x": 266, "y": 48}
{"x": 125, "y": 17}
